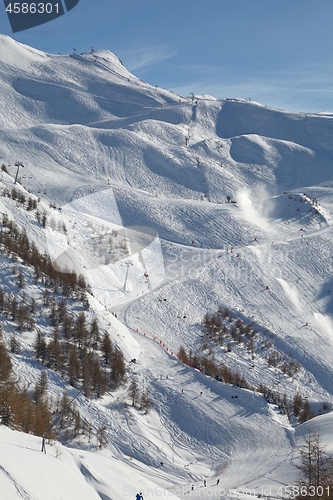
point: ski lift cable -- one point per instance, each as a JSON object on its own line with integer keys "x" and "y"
{"x": 60, "y": 415}
{"x": 40, "y": 187}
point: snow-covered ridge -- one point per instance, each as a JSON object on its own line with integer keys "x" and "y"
{"x": 18, "y": 56}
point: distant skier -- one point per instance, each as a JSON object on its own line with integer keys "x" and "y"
{"x": 139, "y": 496}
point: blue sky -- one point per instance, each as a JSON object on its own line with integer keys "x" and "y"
{"x": 277, "y": 52}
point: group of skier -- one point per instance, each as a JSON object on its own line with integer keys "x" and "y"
{"x": 140, "y": 497}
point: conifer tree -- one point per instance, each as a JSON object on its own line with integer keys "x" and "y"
{"x": 5, "y": 364}
{"x": 6, "y": 414}
{"x": 54, "y": 354}
{"x": 133, "y": 391}
{"x": 94, "y": 334}
{"x": 67, "y": 325}
{"x": 73, "y": 366}
{"x": 145, "y": 401}
{"x": 40, "y": 347}
{"x": 80, "y": 330}
{"x": 118, "y": 368}
{"x": 41, "y": 387}
{"x": 107, "y": 348}
{"x": 96, "y": 376}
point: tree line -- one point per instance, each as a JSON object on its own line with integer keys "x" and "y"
{"x": 77, "y": 348}
{"x": 18, "y": 409}
{"x": 223, "y": 328}
{"x": 297, "y": 406}
{"x": 14, "y": 242}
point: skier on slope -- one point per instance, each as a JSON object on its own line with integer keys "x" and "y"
{"x": 139, "y": 496}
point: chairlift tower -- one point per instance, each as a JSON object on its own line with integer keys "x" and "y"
{"x": 18, "y": 164}
{"x": 128, "y": 264}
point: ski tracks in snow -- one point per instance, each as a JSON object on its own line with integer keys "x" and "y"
{"x": 19, "y": 489}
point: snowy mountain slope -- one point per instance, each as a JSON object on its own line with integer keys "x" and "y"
{"x": 27, "y": 473}
{"x": 190, "y": 449}
{"x": 84, "y": 127}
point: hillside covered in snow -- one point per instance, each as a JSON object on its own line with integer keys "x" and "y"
{"x": 203, "y": 230}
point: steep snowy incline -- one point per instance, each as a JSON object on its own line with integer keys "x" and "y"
{"x": 241, "y": 199}
{"x": 64, "y": 474}
{"x": 202, "y": 431}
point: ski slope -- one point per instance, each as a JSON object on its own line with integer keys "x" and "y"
{"x": 239, "y": 200}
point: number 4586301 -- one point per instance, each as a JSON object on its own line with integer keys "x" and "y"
{"x": 32, "y": 8}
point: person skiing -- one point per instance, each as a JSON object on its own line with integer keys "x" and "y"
{"x": 139, "y": 496}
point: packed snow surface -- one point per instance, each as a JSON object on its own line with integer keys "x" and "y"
{"x": 238, "y": 199}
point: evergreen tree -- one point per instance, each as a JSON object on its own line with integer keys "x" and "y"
{"x": 145, "y": 401}
{"x": 5, "y": 364}
{"x": 118, "y": 369}
{"x": 297, "y": 404}
{"x": 133, "y": 391}
{"x": 40, "y": 347}
{"x": 96, "y": 376}
{"x": 80, "y": 330}
{"x": 107, "y": 348}
{"x": 41, "y": 387}
{"x": 73, "y": 367}
{"x": 6, "y": 415}
{"x": 67, "y": 325}
{"x": 54, "y": 354}
{"x": 94, "y": 334}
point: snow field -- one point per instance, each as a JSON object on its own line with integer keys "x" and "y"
{"x": 84, "y": 127}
